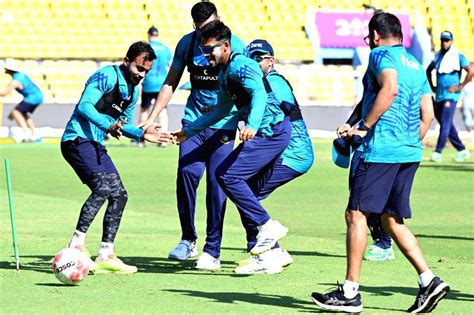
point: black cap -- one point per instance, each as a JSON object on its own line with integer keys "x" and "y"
{"x": 153, "y": 31}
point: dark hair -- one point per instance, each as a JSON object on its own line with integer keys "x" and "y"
{"x": 138, "y": 48}
{"x": 201, "y": 11}
{"x": 153, "y": 31}
{"x": 215, "y": 29}
{"x": 386, "y": 25}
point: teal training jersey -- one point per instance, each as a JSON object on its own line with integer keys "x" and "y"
{"x": 241, "y": 83}
{"x": 395, "y": 137}
{"x": 88, "y": 123}
{"x": 201, "y": 101}
{"x": 299, "y": 154}
{"x": 157, "y": 74}
{"x": 446, "y": 80}
{"x": 30, "y": 91}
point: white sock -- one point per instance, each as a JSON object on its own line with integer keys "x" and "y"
{"x": 78, "y": 239}
{"x": 426, "y": 277}
{"x": 350, "y": 289}
{"x": 106, "y": 250}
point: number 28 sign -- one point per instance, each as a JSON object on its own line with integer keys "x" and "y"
{"x": 347, "y": 29}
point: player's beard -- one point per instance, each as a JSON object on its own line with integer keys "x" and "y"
{"x": 372, "y": 44}
{"x": 135, "y": 79}
{"x": 211, "y": 59}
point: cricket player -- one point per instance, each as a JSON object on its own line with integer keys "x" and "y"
{"x": 106, "y": 107}
{"x": 265, "y": 136}
{"x": 206, "y": 149}
{"x": 397, "y": 112}
{"x": 295, "y": 161}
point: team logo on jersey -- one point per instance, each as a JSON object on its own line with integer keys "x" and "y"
{"x": 118, "y": 108}
{"x": 225, "y": 139}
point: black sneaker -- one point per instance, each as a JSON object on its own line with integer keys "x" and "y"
{"x": 428, "y": 297}
{"x": 336, "y": 301}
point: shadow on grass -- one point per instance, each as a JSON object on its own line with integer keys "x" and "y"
{"x": 389, "y": 291}
{"x": 464, "y": 167}
{"x": 293, "y": 252}
{"x": 446, "y": 237}
{"x": 253, "y": 298}
{"x": 55, "y": 285}
{"x": 40, "y": 264}
{"x": 165, "y": 265}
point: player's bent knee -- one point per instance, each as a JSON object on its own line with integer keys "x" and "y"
{"x": 122, "y": 198}
{"x": 102, "y": 191}
{"x": 355, "y": 216}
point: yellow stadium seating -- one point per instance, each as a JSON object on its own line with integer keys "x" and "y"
{"x": 102, "y": 30}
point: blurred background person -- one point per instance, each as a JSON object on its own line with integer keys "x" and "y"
{"x": 448, "y": 63}
{"x": 467, "y": 105}
{"x": 153, "y": 81}
{"x": 32, "y": 98}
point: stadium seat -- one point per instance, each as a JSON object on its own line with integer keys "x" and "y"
{"x": 101, "y": 30}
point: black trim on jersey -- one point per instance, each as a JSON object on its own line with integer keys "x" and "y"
{"x": 111, "y": 103}
{"x": 202, "y": 78}
{"x": 235, "y": 90}
{"x": 291, "y": 110}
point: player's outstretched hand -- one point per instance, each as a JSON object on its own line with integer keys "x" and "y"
{"x": 343, "y": 130}
{"x": 246, "y": 134}
{"x": 115, "y": 129}
{"x": 155, "y": 135}
{"x": 147, "y": 123}
{"x": 455, "y": 88}
{"x": 357, "y": 131}
{"x": 178, "y": 136}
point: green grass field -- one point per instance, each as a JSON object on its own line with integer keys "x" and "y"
{"x": 48, "y": 197}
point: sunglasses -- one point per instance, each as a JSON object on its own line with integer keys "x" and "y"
{"x": 260, "y": 58}
{"x": 207, "y": 50}
{"x": 367, "y": 40}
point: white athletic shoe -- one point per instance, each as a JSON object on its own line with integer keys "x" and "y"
{"x": 184, "y": 250}
{"x": 207, "y": 262}
{"x": 282, "y": 256}
{"x": 278, "y": 254}
{"x": 268, "y": 235}
{"x": 264, "y": 263}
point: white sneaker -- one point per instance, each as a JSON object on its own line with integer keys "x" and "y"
{"x": 207, "y": 262}
{"x": 282, "y": 256}
{"x": 278, "y": 254}
{"x": 184, "y": 250}
{"x": 462, "y": 156}
{"x": 35, "y": 139}
{"x": 268, "y": 235}
{"x": 264, "y": 263}
{"x": 436, "y": 157}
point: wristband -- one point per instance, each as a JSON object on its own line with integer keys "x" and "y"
{"x": 363, "y": 126}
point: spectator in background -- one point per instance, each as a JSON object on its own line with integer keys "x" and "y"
{"x": 448, "y": 63}
{"x": 467, "y": 102}
{"x": 32, "y": 98}
{"x": 153, "y": 81}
